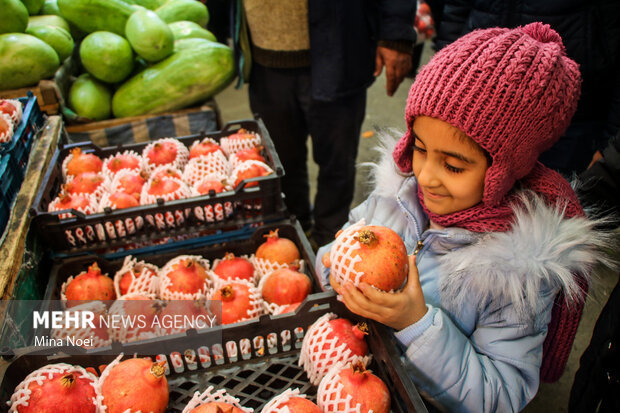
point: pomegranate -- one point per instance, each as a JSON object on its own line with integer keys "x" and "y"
{"x": 6, "y": 128}
{"x": 78, "y": 162}
{"x": 248, "y": 170}
{"x": 80, "y": 202}
{"x": 163, "y": 172}
{"x": 136, "y": 277}
{"x": 118, "y": 162}
{"x": 89, "y": 285}
{"x": 300, "y": 405}
{"x": 119, "y": 200}
{"x": 242, "y": 135}
{"x": 136, "y": 384}
{"x": 279, "y": 250}
{"x": 284, "y": 286}
{"x": 56, "y": 388}
{"x": 382, "y": 258}
{"x": 330, "y": 340}
{"x": 139, "y": 310}
{"x": 352, "y": 387}
{"x": 98, "y": 334}
{"x": 289, "y": 308}
{"x": 185, "y": 275}
{"x": 130, "y": 182}
{"x": 87, "y": 183}
{"x": 203, "y": 148}
{"x": 206, "y": 185}
{"x": 238, "y": 303}
{"x": 13, "y": 109}
{"x": 194, "y": 314}
{"x": 162, "y": 153}
{"x": 231, "y": 267}
{"x": 249, "y": 154}
{"x": 216, "y": 407}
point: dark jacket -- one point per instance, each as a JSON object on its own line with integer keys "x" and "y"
{"x": 343, "y": 39}
{"x": 590, "y": 30}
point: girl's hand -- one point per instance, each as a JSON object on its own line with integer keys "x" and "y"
{"x": 397, "y": 310}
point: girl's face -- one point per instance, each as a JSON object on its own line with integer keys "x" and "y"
{"x": 449, "y": 166}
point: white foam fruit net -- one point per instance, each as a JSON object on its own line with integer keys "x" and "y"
{"x": 319, "y": 353}
{"x": 232, "y": 145}
{"x": 215, "y": 212}
{"x": 180, "y": 160}
{"x": 144, "y": 277}
{"x": 234, "y": 159}
{"x": 166, "y": 289}
{"x": 7, "y": 135}
{"x": 22, "y": 393}
{"x": 79, "y": 334}
{"x": 275, "y": 404}
{"x": 16, "y": 116}
{"x": 331, "y": 396}
{"x": 214, "y": 163}
{"x": 244, "y": 166}
{"x": 266, "y": 267}
{"x": 109, "y": 173}
{"x": 210, "y": 395}
{"x": 255, "y": 304}
{"x": 342, "y": 255}
{"x": 250, "y": 258}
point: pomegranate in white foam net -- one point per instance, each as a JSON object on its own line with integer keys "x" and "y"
{"x": 285, "y": 286}
{"x": 6, "y": 128}
{"x": 136, "y": 277}
{"x": 87, "y": 183}
{"x": 78, "y": 162}
{"x": 89, "y": 285}
{"x": 216, "y": 407}
{"x": 240, "y": 301}
{"x": 330, "y": 340}
{"x": 279, "y": 250}
{"x": 369, "y": 253}
{"x": 291, "y": 401}
{"x": 184, "y": 277}
{"x": 136, "y": 384}
{"x": 126, "y": 160}
{"x": 203, "y": 148}
{"x": 248, "y": 170}
{"x": 13, "y": 109}
{"x": 57, "y": 388}
{"x": 353, "y": 389}
{"x": 130, "y": 182}
{"x": 232, "y": 267}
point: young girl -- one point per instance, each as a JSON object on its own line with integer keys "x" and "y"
{"x": 500, "y": 245}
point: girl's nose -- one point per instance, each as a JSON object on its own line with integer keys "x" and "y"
{"x": 427, "y": 175}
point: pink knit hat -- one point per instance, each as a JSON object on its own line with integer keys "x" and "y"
{"x": 513, "y": 91}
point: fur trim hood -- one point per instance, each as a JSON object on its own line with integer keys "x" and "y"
{"x": 542, "y": 250}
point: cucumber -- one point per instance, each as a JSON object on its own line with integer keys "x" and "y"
{"x": 149, "y": 36}
{"x": 177, "y": 10}
{"x": 187, "y": 30}
{"x": 97, "y": 15}
{"x": 190, "y": 75}
{"x": 25, "y": 60}
{"x": 57, "y": 37}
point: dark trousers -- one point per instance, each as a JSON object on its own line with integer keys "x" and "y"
{"x": 283, "y": 99}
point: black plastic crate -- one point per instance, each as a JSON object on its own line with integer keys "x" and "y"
{"x": 254, "y": 376}
{"x": 14, "y": 156}
{"x": 81, "y": 233}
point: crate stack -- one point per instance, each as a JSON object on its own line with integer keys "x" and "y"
{"x": 252, "y": 359}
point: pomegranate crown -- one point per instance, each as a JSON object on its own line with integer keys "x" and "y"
{"x": 229, "y": 256}
{"x": 76, "y": 152}
{"x": 94, "y": 269}
{"x": 272, "y": 236}
{"x": 67, "y": 380}
{"x": 227, "y": 292}
{"x": 360, "y": 330}
{"x": 158, "y": 369}
{"x": 367, "y": 237}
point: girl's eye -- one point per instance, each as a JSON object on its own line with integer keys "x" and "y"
{"x": 418, "y": 149}
{"x": 454, "y": 169}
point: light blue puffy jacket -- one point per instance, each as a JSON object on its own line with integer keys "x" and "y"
{"x": 489, "y": 296}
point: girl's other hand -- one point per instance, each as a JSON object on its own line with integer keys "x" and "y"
{"x": 397, "y": 310}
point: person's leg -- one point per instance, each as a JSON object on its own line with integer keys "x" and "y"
{"x": 335, "y": 129}
{"x": 274, "y": 97}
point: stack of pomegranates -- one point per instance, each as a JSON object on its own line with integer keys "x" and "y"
{"x": 166, "y": 169}
{"x": 237, "y": 287}
{"x": 10, "y": 117}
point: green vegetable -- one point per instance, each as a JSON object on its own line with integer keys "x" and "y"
{"x": 195, "y": 72}
{"x": 107, "y": 56}
{"x": 14, "y": 16}
{"x": 177, "y": 10}
{"x": 57, "y": 37}
{"x": 149, "y": 36}
{"x": 97, "y": 15}
{"x": 25, "y": 60}
{"x": 189, "y": 30}
{"x": 90, "y": 98}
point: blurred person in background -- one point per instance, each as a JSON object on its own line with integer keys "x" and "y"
{"x": 309, "y": 64}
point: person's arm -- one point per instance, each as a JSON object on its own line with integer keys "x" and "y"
{"x": 396, "y": 40}
{"x": 453, "y": 20}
